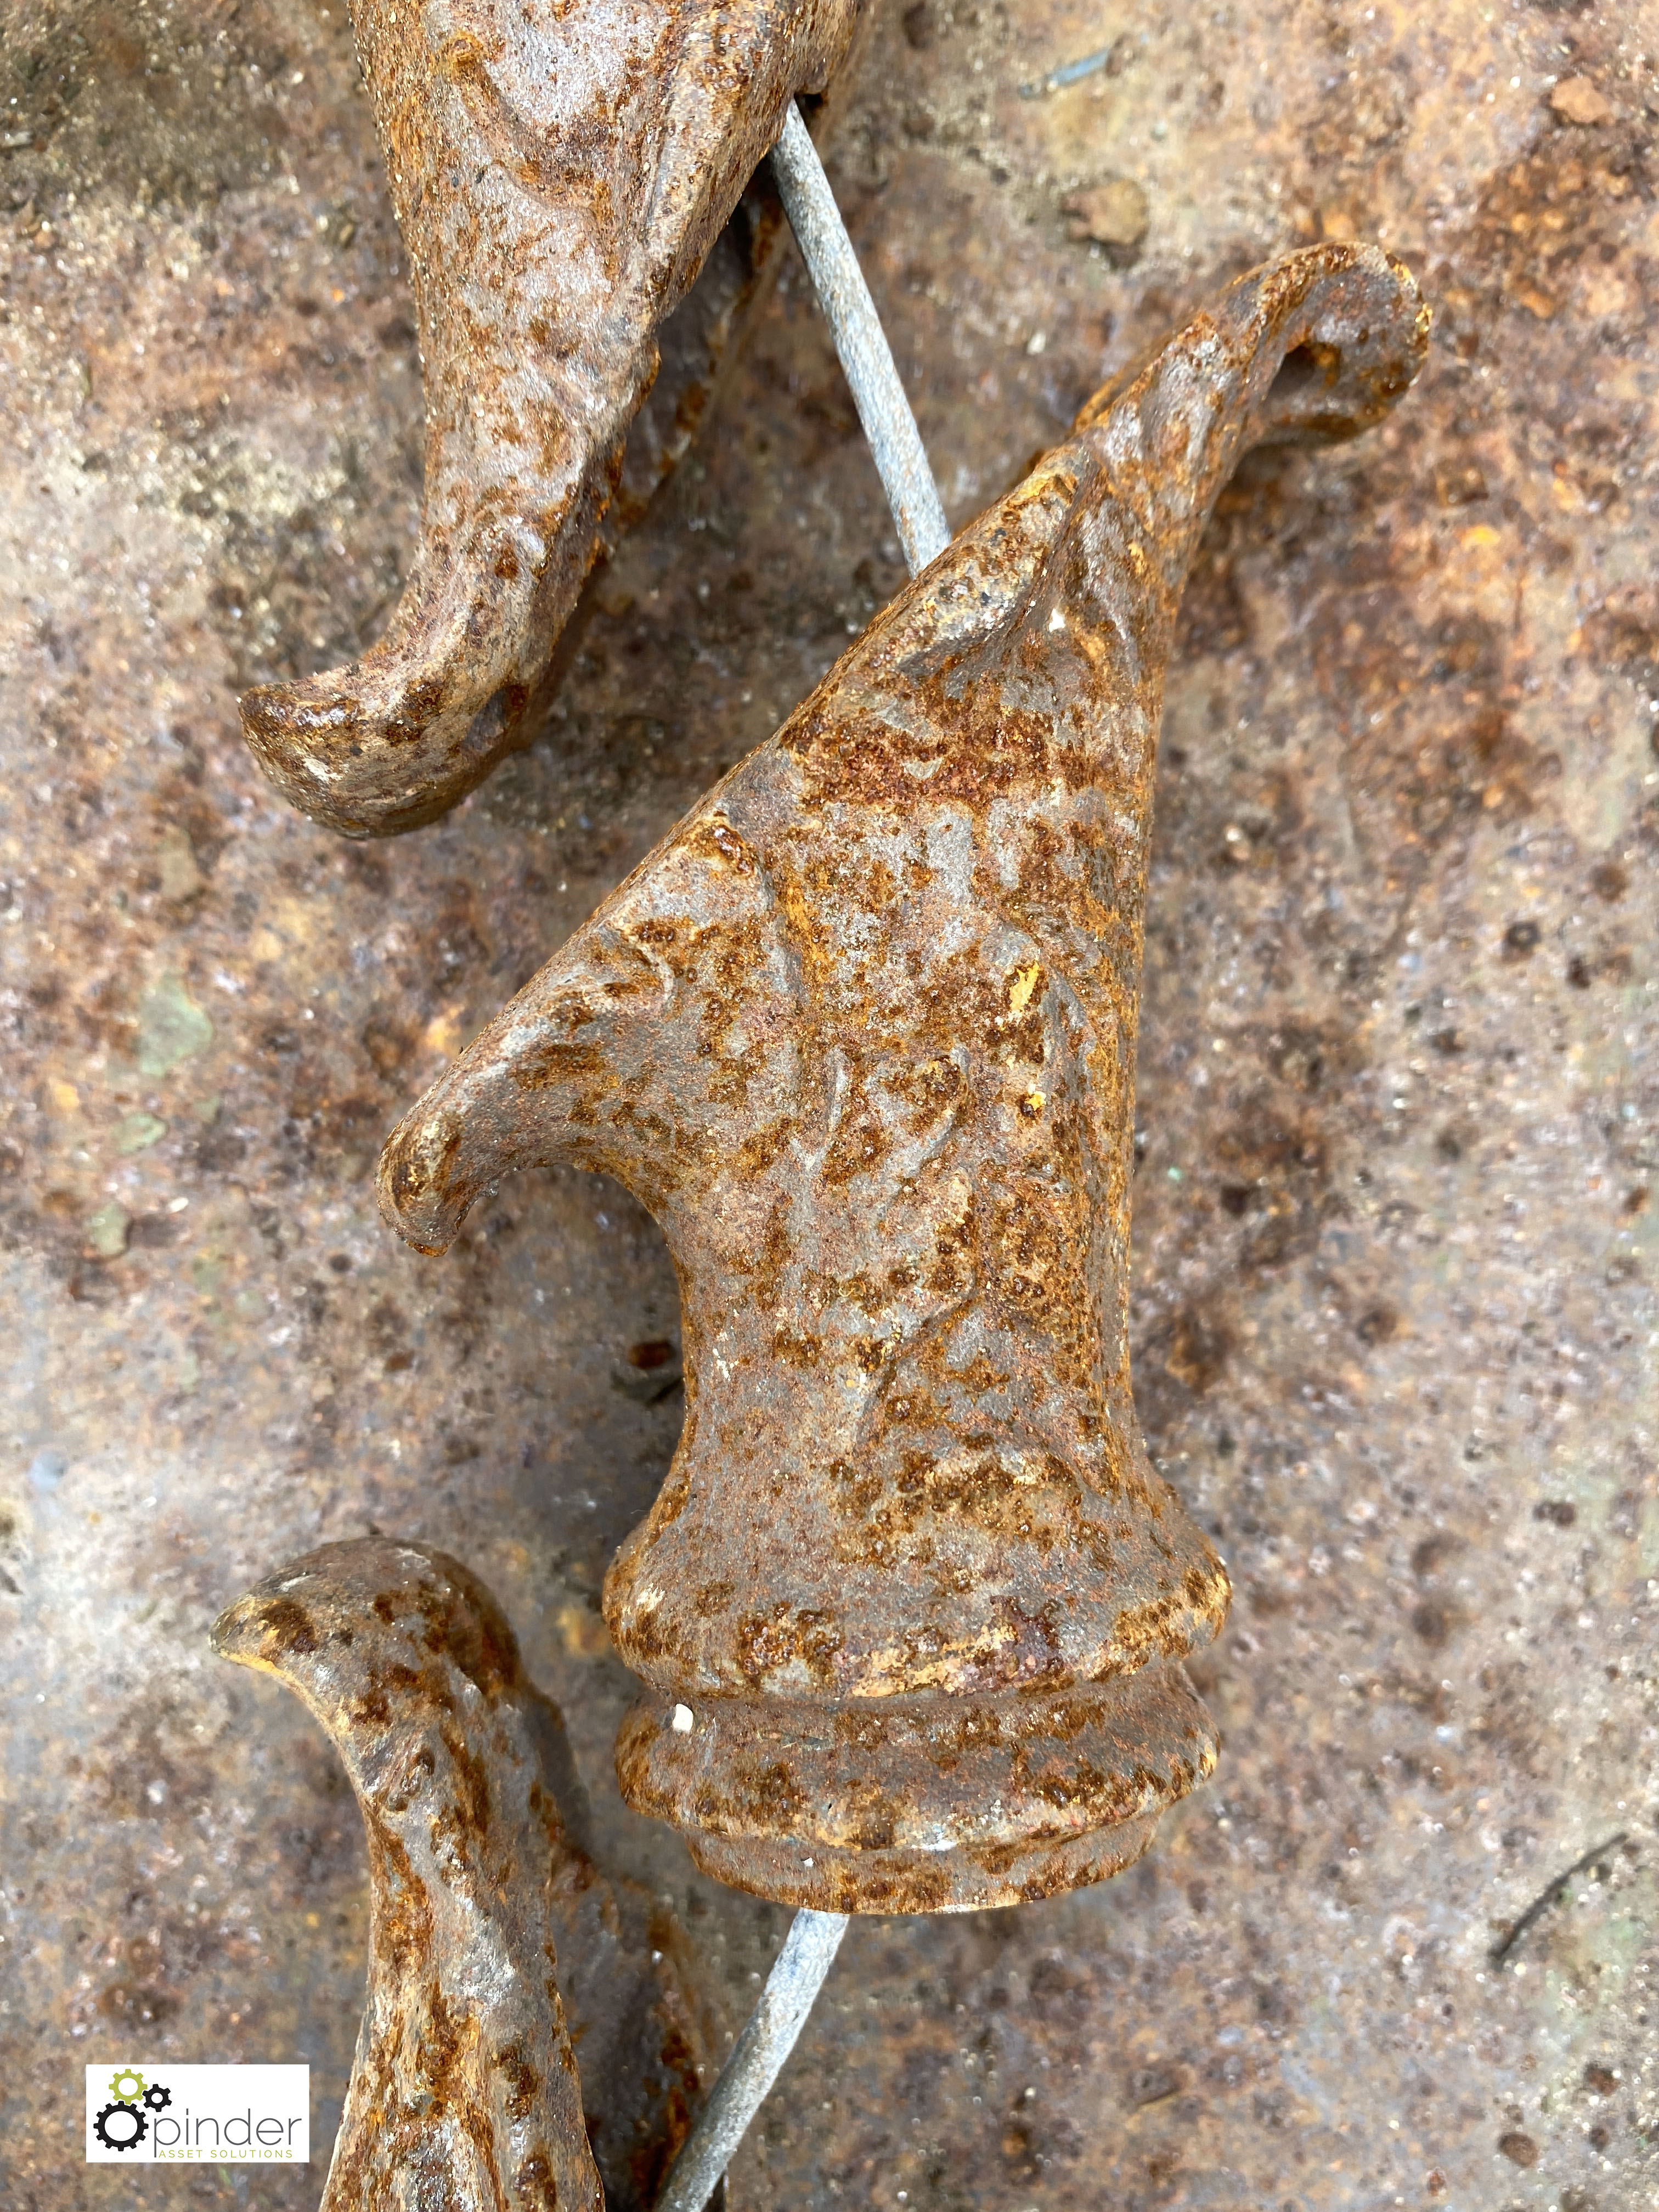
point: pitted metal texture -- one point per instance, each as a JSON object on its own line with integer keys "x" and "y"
{"x": 861, "y": 1033}
{"x": 560, "y": 177}
{"x": 497, "y": 1954}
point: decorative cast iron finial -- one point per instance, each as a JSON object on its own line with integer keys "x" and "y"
{"x": 560, "y": 176}
{"x": 911, "y": 1604}
{"x": 463, "y": 2092}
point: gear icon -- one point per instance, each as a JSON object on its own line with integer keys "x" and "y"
{"x": 158, "y": 2097}
{"x": 131, "y": 2126}
{"x": 126, "y": 2096}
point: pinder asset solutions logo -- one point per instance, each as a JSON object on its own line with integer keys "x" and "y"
{"x": 203, "y": 2115}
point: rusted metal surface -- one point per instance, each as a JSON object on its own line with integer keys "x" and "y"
{"x": 1394, "y": 1274}
{"x": 489, "y": 1928}
{"x": 860, "y": 1033}
{"x": 560, "y": 178}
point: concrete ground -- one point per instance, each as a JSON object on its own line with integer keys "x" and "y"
{"x": 1397, "y": 1212}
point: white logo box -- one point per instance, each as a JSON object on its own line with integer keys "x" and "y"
{"x": 197, "y": 2115}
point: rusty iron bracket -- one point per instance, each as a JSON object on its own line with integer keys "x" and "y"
{"x": 911, "y": 1606}
{"x": 498, "y": 1951}
{"x": 560, "y": 177}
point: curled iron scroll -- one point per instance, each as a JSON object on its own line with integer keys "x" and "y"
{"x": 560, "y": 177}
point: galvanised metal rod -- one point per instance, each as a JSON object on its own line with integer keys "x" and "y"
{"x": 884, "y": 410}
{"x": 814, "y": 1938}
{"x": 794, "y": 1981}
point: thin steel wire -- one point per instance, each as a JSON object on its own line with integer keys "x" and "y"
{"x": 756, "y": 2061}
{"x": 814, "y": 1938}
{"x": 895, "y": 440}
